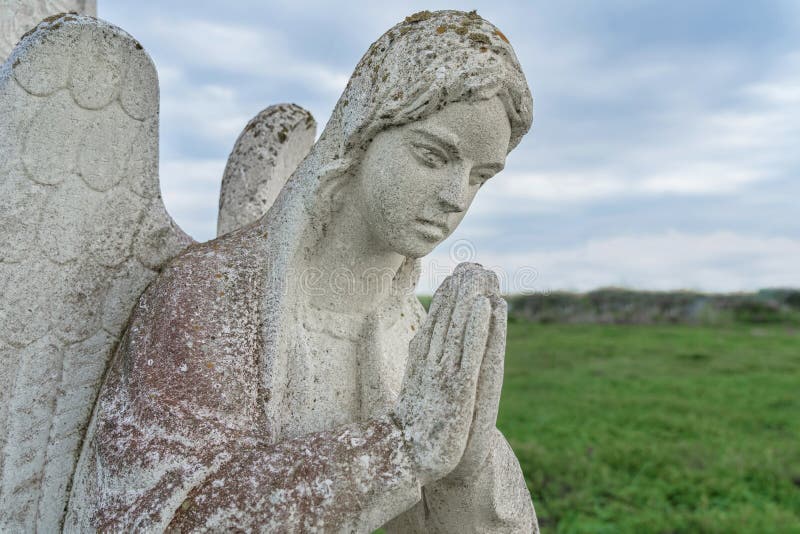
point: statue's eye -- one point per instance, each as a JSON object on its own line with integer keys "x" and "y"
{"x": 429, "y": 155}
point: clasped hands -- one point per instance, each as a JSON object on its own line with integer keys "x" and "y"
{"x": 447, "y": 408}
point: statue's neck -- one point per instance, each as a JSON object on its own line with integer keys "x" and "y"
{"x": 349, "y": 269}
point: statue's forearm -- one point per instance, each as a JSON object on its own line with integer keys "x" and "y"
{"x": 495, "y": 499}
{"x": 354, "y": 478}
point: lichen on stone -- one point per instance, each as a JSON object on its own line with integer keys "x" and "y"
{"x": 480, "y": 38}
{"x": 419, "y": 16}
{"x": 501, "y": 35}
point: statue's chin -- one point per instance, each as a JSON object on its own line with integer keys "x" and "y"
{"x": 417, "y": 246}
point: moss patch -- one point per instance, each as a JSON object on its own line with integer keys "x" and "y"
{"x": 419, "y": 16}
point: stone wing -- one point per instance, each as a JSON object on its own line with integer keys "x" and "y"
{"x": 83, "y": 230}
{"x": 266, "y": 153}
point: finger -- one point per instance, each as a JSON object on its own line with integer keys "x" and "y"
{"x": 496, "y": 346}
{"x": 490, "y": 379}
{"x": 444, "y": 299}
{"x": 419, "y": 346}
{"x": 487, "y": 393}
{"x": 469, "y": 267}
{"x": 475, "y": 337}
{"x": 454, "y": 338}
{"x": 440, "y": 295}
{"x": 493, "y": 283}
{"x": 441, "y": 299}
{"x": 466, "y": 267}
{"x": 472, "y": 281}
{"x": 475, "y": 280}
{"x": 421, "y": 342}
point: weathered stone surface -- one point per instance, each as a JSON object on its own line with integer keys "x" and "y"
{"x": 282, "y": 377}
{"x": 72, "y": 208}
{"x": 19, "y": 16}
{"x": 269, "y": 149}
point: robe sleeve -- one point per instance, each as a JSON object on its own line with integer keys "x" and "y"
{"x": 496, "y": 499}
{"x": 179, "y": 440}
{"x": 352, "y": 479}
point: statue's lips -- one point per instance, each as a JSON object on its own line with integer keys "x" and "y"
{"x": 432, "y": 229}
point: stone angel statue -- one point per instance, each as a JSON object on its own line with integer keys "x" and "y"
{"x": 282, "y": 377}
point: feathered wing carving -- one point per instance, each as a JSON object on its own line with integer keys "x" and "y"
{"x": 266, "y": 153}
{"x": 83, "y": 230}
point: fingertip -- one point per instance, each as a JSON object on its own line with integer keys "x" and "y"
{"x": 444, "y": 287}
{"x": 442, "y": 297}
{"x": 482, "y": 282}
{"x": 493, "y": 282}
{"x": 466, "y": 266}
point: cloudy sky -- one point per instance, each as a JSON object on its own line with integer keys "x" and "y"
{"x": 665, "y": 151}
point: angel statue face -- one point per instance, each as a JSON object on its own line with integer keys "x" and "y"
{"x": 416, "y": 181}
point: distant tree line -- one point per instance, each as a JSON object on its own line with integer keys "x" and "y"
{"x": 624, "y": 306}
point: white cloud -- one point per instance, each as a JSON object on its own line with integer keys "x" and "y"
{"x": 687, "y": 150}
{"x": 716, "y": 261}
{"x": 213, "y": 112}
{"x": 191, "y": 194}
{"x": 782, "y": 87}
{"x": 261, "y": 52}
{"x": 551, "y": 191}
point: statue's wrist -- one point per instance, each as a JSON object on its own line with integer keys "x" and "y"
{"x": 409, "y": 450}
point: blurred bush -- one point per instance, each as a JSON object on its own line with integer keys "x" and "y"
{"x": 623, "y": 306}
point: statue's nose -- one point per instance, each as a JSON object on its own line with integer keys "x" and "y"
{"x": 453, "y": 196}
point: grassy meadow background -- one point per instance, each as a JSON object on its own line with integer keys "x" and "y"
{"x": 663, "y": 428}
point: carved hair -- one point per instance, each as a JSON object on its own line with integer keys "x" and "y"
{"x": 422, "y": 64}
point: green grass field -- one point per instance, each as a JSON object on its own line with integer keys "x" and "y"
{"x": 656, "y": 428}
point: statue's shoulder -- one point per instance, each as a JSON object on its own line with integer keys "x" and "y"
{"x": 225, "y": 274}
{"x": 235, "y": 255}
{"x": 204, "y": 305}
{"x": 194, "y": 336}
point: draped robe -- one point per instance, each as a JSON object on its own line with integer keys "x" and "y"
{"x": 188, "y": 434}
